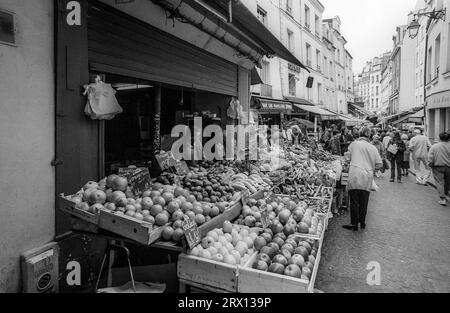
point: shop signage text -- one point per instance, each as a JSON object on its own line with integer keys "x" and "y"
{"x": 440, "y": 100}
{"x": 74, "y": 15}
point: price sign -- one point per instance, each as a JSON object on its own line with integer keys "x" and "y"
{"x": 245, "y": 196}
{"x": 265, "y": 219}
{"x": 191, "y": 232}
{"x": 166, "y": 160}
{"x": 181, "y": 168}
{"x": 138, "y": 179}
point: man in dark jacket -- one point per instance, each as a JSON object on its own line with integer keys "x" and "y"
{"x": 335, "y": 143}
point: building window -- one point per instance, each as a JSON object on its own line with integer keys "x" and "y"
{"x": 307, "y": 18}
{"x": 7, "y": 28}
{"x": 308, "y": 54}
{"x": 429, "y": 70}
{"x": 319, "y": 93}
{"x": 377, "y": 90}
{"x": 437, "y": 56}
{"x": 317, "y": 25}
{"x": 318, "y": 58}
{"x": 265, "y": 72}
{"x": 290, "y": 35}
{"x": 377, "y": 104}
{"x": 448, "y": 50}
{"x": 378, "y": 78}
{"x": 292, "y": 85}
{"x": 289, "y": 6}
{"x": 262, "y": 15}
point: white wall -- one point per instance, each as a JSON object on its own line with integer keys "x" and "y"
{"x": 407, "y": 98}
{"x": 27, "y": 184}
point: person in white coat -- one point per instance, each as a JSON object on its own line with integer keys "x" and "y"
{"x": 364, "y": 161}
{"x": 419, "y": 146}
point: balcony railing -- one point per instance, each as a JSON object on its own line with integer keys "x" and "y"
{"x": 308, "y": 27}
{"x": 266, "y": 90}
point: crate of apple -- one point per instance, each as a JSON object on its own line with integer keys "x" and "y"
{"x": 287, "y": 216}
{"x": 233, "y": 245}
{"x": 294, "y": 257}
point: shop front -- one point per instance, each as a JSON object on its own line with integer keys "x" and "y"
{"x": 272, "y": 111}
{"x": 438, "y": 114}
{"x": 162, "y": 76}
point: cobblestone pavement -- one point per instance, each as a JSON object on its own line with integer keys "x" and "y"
{"x": 408, "y": 234}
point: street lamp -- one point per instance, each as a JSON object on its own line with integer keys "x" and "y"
{"x": 413, "y": 29}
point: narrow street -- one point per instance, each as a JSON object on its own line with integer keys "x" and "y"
{"x": 407, "y": 234}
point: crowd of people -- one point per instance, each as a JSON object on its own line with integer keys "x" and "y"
{"x": 371, "y": 152}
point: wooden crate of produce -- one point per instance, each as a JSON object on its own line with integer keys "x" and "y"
{"x": 69, "y": 207}
{"x": 255, "y": 281}
{"x": 208, "y": 273}
{"x": 128, "y": 227}
{"x": 230, "y": 214}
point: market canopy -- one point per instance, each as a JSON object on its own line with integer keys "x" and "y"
{"x": 324, "y": 115}
{"x": 413, "y": 118}
{"x": 299, "y": 121}
{"x": 298, "y": 101}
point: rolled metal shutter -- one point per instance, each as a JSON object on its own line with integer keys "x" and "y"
{"x": 123, "y": 45}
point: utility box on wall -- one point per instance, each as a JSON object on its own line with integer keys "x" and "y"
{"x": 40, "y": 269}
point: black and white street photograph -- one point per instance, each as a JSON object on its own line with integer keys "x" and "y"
{"x": 225, "y": 155}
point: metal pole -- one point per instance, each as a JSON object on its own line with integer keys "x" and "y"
{"x": 425, "y": 80}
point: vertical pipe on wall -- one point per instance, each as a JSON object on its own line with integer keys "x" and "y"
{"x": 157, "y": 120}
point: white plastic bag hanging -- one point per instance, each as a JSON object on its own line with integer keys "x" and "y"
{"x": 102, "y": 103}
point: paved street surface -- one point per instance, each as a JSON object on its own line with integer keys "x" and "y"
{"x": 407, "y": 233}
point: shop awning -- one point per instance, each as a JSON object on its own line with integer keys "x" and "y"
{"x": 299, "y": 101}
{"x": 413, "y": 118}
{"x": 360, "y": 109}
{"x": 324, "y": 115}
{"x": 247, "y": 22}
{"x": 349, "y": 121}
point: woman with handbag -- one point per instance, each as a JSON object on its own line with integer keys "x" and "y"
{"x": 395, "y": 151}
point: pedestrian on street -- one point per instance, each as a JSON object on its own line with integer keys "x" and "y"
{"x": 380, "y": 148}
{"x": 346, "y": 139}
{"x": 406, "y": 156}
{"x": 439, "y": 161}
{"x": 419, "y": 146}
{"x": 387, "y": 138}
{"x": 325, "y": 140}
{"x": 395, "y": 151}
{"x": 335, "y": 143}
{"x": 364, "y": 161}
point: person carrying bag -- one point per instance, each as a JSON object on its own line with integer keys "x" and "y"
{"x": 396, "y": 148}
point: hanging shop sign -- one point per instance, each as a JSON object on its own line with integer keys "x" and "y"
{"x": 439, "y": 100}
{"x": 274, "y": 106}
{"x": 138, "y": 179}
{"x": 294, "y": 68}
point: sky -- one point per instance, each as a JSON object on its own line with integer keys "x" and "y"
{"x": 368, "y": 25}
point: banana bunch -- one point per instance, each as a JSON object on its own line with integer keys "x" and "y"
{"x": 252, "y": 183}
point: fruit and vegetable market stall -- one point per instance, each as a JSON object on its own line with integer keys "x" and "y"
{"x": 236, "y": 227}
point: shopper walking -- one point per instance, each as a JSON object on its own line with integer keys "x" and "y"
{"x": 395, "y": 150}
{"x": 335, "y": 143}
{"x": 346, "y": 139}
{"x": 406, "y": 156}
{"x": 364, "y": 161}
{"x": 419, "y": 146}
{"x": 380, "y": 148}
{"x": 387, "y": 138}
{"x": 439, "y": 161}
